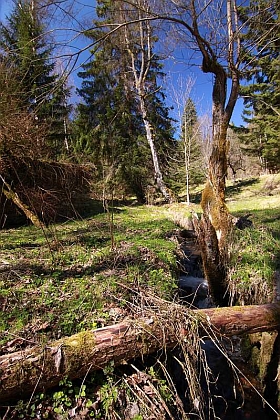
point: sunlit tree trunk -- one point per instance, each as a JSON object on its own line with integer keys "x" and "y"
{"x": 149, "y": 134}
{"x": 141, "y": 67}
{"x": 13, "y": 196}
{"x": 218, "y": 42}
{"x": 215, "y": 226}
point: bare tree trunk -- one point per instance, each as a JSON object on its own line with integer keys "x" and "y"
{"x": 25, "y": 372}
{"x": 149, "y": 134}
{"x": 12, "y": 195}
{"x": 140, "y": 74}
{"x": 215, "y": 227}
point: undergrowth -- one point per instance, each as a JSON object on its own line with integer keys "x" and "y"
{"x": 255, "y": 256}
{"x": 95, "y": 272}
{"x": 66, "y": 279}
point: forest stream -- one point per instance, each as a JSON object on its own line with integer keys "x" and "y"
{"x": 232, "y": 398}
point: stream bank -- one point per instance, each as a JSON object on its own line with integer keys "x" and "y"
{"x": 237, "y": 380}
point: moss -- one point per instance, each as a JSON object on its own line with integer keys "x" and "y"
{"x": 266, "y": 352}
{"x": 258, "y": 349}
{"x": 215, "y": 210}
{"x": 77, "y": 350}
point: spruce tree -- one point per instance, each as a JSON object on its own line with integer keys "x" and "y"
{"x": 262, "y": 94}
{"x": 109, "y": 122}
{"x": 107, "y": 128}
{"x": 42, "y": 92}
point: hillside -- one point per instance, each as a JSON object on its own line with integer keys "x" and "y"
{"x": 87, "y": 274}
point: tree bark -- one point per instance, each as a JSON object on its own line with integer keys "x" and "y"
{"x": 216, "y": 223}
{"x": 12, "y": 195}
{"x": 140, "y": 82}
{"x": 149, "y": 134}
{"x": 32, "y": 370}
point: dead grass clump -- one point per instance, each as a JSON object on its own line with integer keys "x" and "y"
{"x": 186, "y": 364}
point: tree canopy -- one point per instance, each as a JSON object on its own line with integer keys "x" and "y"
{"x": 262, "y": 92}
{"x": 41, "y": 91}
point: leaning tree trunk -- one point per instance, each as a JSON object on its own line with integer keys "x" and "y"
{"x": 39, "y": 368}
{"x": 215, "y": 226}
{"x": 12, "y": 195}
{"x": 149, "y": 134}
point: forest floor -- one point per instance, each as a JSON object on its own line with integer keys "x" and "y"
{"x": 82, "y": 274}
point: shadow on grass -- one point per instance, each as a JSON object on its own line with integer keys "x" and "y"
{"x": 88, "y": 209}
{"x": 195, "y": 198}
{"x": 237, "y": 187}
{"x": 231, "y": 190}
{"x": 270, "y": 219}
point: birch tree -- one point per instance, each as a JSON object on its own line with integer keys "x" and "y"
{"x": 139, "y": 43}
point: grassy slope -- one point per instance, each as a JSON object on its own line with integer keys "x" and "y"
{"x": 70, "y": 277}
{"x": 256, "y": 251}
{"x": 80, "y": 274}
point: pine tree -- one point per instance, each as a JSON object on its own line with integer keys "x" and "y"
{"x": 262, "y": 94}
{"x": 42, "y": 92}
{"x": 107, "y": 128}
{"x": 110, "y": 123}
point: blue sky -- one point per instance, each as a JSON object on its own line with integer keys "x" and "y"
{"x": 175, "y": 69}
{"x": 4, "y": 8}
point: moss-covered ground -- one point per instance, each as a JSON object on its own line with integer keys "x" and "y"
{"x": 80, "y": 275}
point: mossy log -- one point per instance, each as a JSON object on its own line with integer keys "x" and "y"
{"x": 35, "y": 369}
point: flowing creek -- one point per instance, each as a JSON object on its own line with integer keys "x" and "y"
{"x": 230, "y": 401}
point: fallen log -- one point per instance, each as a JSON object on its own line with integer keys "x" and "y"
{"x": 32, "y": 370}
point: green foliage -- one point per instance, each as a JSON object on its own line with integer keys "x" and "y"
{"x": 64, "y": 281}
{"x": 41, "y": 92}
{"x": 62, "y": 399}
{"x": 70, "y": 278}
{"x": 109, "y": 128}
{"x": 262, "y": 94}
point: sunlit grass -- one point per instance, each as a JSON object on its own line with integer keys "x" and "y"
{"x": 83, "y": 274}
{"x": 67, "y": 278}
{"x": 255, "y": 251}
{"x": 254, "y": 203}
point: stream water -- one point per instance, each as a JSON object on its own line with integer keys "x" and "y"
{"x": 229, "y": 400}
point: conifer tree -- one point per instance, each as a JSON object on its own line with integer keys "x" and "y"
{"x": 42, "y": 92}
{"x": 191, "y": 146}
{"x": 107, "y": 130}
{"x": 262, "y": 94}
{"x": 110, "y": 122}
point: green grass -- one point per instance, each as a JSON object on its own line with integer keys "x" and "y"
{"x": 256, "y": 250}
{"x": 80, "y": 275}
{"x": 69, "y": 278}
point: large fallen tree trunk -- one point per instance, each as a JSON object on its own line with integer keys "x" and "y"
{"x": 36, "y": 369}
